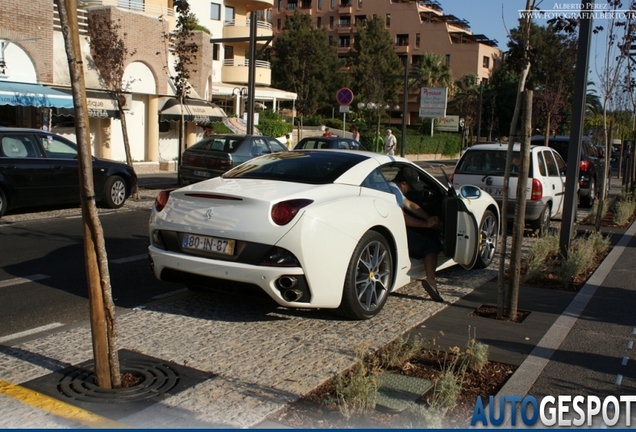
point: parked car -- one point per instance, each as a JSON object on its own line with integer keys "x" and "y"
{"x": 313, "y": 229}
{"x": 39, "y": 168}
{"x": 484, "y": 166}
{"x": 215, "y": 154}
{"x": 591, "y": 166}
{"x": 311, "y": 143}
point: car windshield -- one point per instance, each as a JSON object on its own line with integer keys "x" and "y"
{"x": 484, "y": 162}
{"x": 298, "y": 166}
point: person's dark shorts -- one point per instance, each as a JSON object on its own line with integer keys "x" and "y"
{"x": 421, "y": 245}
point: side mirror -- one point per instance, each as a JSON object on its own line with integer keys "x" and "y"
{"x": 470, "y": 192}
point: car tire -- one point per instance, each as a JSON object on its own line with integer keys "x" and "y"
{"x": 114, "y": 192}
{"x": 541, "y": 226}
{"x": 588, "y": 200}
{"x": 3, "y": 203}
{"x": 369, "y": 278}
{"x": 488, "y": 237}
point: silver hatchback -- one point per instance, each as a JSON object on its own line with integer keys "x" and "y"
{"x": 483, "y": 165}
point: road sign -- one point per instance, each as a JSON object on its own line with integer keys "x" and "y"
{"x": 344, "y": 96}
{"x": 433, "y": 101}
{"x": 344, "y": 108}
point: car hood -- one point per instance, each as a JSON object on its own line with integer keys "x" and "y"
{"x": 240, "y": 208}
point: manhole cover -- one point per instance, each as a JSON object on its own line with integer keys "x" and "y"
{"x": 158, "y": 379}
{"x": 396, "y": 392}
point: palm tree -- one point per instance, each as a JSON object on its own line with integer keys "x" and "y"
{"x": 432, "y": 71}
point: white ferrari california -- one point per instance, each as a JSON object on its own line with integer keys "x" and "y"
{"x": 314, "y": 229}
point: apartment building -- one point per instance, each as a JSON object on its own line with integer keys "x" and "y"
{"x": 416, "y": 27}
{"x": 230, "y": 26}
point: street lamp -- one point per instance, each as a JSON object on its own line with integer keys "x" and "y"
{"x": 239, "y": 93}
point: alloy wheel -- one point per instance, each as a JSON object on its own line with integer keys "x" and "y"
{"x": 373, "y": 276}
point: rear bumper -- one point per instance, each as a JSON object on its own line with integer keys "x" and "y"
{"x": 533, "y": 209}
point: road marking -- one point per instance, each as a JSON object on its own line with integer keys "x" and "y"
{"x": 625, "y": 360}
{"x": 30, "y": 332}
{"x": 58, "y": 408}
{"x": 619, "y": 379}
{"x": 633, "y": 330}
{"x": 130, "y": 259}
{"x": 630, "y": 345}
{"x": 21, "y": 280}
{"x": 169, "y": 294}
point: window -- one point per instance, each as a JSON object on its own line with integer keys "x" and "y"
{"x": 215, "y": 11}
{"x": 388, "y": 20}
{"x": 215, "y": 51}
{"x": 319, "y": 22}
{"x": 229, "y": 14}
{"x": 278, "y": 24}
{"x": 402, "y": 40}
{"x": 361, "y": 20}
{"x": 448, "y": 60}
{"x": 553, "y": 170}
{"x": 417, "y": 40}
{"x": 331, "y": 22}
{"x": 345, "y": 22}
{"x": 333, "y": 4}
{"x": 486, "y": 62}
{"x": 280, "y": 5}
{"x": 229, "y": 52}
{"x": 319, "y": 4}
{"x": 344, "y": 41}
{"x": 359, "y": 4}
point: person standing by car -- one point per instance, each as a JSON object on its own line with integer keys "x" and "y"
{"x": 288, "y": 142}
{"x": 378, "y": 142}
{"x": 327, "y": 133}
{"x": 390, "y": 142}
{"x": 420, "y": 246}
{"x": 355, "y": 133}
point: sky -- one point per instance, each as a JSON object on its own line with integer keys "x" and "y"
{"x": 495, "y": 18}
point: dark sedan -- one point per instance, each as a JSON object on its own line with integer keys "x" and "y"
{"x": 215, "y": 154}
{"x": 39, "y": 168}
{"x": 328, "y": 143}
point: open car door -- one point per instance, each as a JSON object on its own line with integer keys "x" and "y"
{"x": 461, "y": 232}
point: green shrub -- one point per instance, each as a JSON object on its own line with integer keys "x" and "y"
{"x": 623, "y": 207}
{"x": 357, "y": 389}
{"x": 334, "y": 123}
{"x": 536, "y": 261}
{"x": 274, "y": 128}
{"x": 220, "y": 128}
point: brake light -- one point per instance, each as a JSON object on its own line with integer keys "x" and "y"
{"x": 162, "y": 199}
{"x": 537, "y": 190}
{"x": 584, "y": 165}
{"x": 284, "y": 211}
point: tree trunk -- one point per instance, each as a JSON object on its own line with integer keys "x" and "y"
{"x": 502, "y": 293}
{"x": 520, "y": 209}
{"x": 102, "y": 313}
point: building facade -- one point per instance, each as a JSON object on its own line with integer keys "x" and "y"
{"x": 33, "y": 57}
{"x": 416, "y": 27}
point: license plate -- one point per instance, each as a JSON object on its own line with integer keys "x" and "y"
{"x": 201, "y": 173}
{"x": 494, "y": 191}
{"x": 208, "y": 244}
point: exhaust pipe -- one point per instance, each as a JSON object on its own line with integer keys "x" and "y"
{"x": 292, "y": 295}
{"x": 287, "y": 282}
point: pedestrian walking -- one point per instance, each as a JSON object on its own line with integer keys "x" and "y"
{"x": 378, "y": 142}
{"x": 390, "y": 142}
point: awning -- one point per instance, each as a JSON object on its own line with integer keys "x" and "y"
{"x": 196, "y": 111}
{"x": 35, "y": 95}
{"x": 99, "y": 104}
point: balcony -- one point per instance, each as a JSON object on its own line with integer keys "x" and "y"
{"x": 345, "y": 7}
{"x": 251, "y": 5}
{"x": 402, "y": 48}
{"x": 131, "y": 5}
{"x": 345, "y": 28}
{"x": 236, "y": 71}
{"x": 241, "y": 29}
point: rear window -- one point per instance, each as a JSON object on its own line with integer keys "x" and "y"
{"x": 484, "y": 162}
{"x": 297, "y": 166}
{"x": 221, "y": 144}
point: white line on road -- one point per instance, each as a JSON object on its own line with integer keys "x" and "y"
{"x": 619, "y": 379}
{"x": 130, "y": 259}
{"x": 630, "y": 344}
{"x": 21, "y": 280}
{"x": 625, "y": 360}
{"x": 30, "y": 332}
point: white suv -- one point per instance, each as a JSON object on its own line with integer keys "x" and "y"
{"x": 483, "y": 165}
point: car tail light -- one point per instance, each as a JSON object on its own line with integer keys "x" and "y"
{"x": 284, "y": 211}
{"x": 220, "y": 164}
{"x": 537, "y": 190}
{"x": 162, "y": 199}
{"x": 584, "y": 165}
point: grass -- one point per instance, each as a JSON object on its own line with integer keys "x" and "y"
{"x": 623, "y": 208}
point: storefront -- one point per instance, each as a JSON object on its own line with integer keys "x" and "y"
{"x": 30, "y": 105}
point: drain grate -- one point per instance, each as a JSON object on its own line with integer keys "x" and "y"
{"x": 154, "y": 379}
{"x": 158, "y": 379}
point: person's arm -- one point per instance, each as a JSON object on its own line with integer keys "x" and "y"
{"x": 423, "y": 219}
